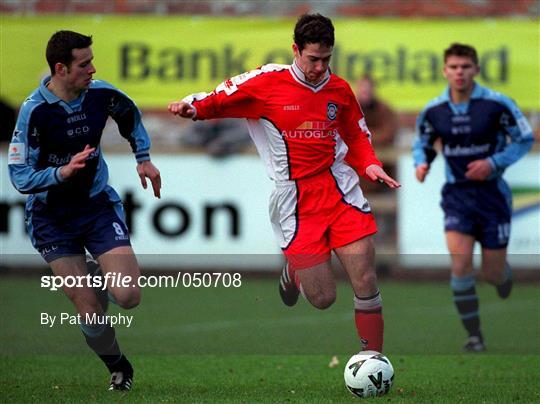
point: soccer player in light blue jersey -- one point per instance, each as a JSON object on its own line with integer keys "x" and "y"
{"x": 482, "y": 133}
{"x": 55, "y": 157}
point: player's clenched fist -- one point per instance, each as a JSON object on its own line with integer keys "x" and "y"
{"x": 181, "y": 108}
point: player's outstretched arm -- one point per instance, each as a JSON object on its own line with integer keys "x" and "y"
{"x": 376, "y": 173}
{"x": 146, "y": 169}
{"x": 76, "y": 163}
{"x": 421, "y": 171}
{"x": 181, "y": 108}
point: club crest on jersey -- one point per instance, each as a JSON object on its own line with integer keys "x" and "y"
{"x": 331, "y": 111}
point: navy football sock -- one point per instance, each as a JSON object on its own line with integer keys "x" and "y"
{"x": 466, "y": 301}
{"x": 505, "y": 287}
{"x": 101, "y": 338}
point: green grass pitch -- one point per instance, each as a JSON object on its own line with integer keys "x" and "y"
{"x": 243, "y": 345}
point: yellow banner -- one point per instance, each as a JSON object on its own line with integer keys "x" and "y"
{"x": 160, "y": 59}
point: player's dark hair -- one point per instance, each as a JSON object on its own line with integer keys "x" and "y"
{"x": 60, "y": 46}
{"x": 313, "y": 28}
{"x": 459, "y": 49}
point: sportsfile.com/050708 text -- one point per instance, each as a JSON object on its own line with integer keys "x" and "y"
{"x": 115, "y": 279}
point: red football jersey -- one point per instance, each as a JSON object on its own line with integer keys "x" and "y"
{"x": 299, "y": 129}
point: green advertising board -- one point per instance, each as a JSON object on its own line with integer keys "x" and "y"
{"x": 160, "y": 59}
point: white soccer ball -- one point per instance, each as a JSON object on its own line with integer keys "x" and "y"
{"x": 369, "y": 374}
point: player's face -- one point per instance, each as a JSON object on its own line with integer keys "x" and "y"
{"x": 460, "y": 72}
{"x": 79, "y": 74}
{"x": 313, "y": 60}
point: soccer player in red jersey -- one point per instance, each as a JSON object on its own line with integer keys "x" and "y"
{"x": 311, "y": 133}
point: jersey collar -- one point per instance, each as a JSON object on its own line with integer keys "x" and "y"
{"x": 299, "y": 76}
{"x": 457, "y": 109}
{"x": 478, "y": 92}
{"x": 52, "y": 98}
{"x": 49, "y": 96}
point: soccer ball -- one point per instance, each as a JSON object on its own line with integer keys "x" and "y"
{"x": 368, "y": 374}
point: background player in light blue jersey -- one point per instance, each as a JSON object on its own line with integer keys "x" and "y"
{"x": 55, "y": 156}
{"x": 482, "y": 133}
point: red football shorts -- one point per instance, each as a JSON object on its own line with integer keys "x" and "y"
{"x": 312, "y": 216}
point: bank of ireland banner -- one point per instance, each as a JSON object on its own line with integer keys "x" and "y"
{"x": 159, "y": 59}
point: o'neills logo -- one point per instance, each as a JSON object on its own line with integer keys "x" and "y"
{"x": 311, "y": 130}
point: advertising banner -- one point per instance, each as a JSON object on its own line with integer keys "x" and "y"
{"x": 160, "y": 59}
{"x": 212, "y": 213}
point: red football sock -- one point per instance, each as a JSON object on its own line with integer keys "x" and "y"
{"x": 369, "y": 322}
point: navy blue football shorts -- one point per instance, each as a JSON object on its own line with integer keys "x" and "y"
{"x": 480, "y": 209}
{"x": 97, "y": 225}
